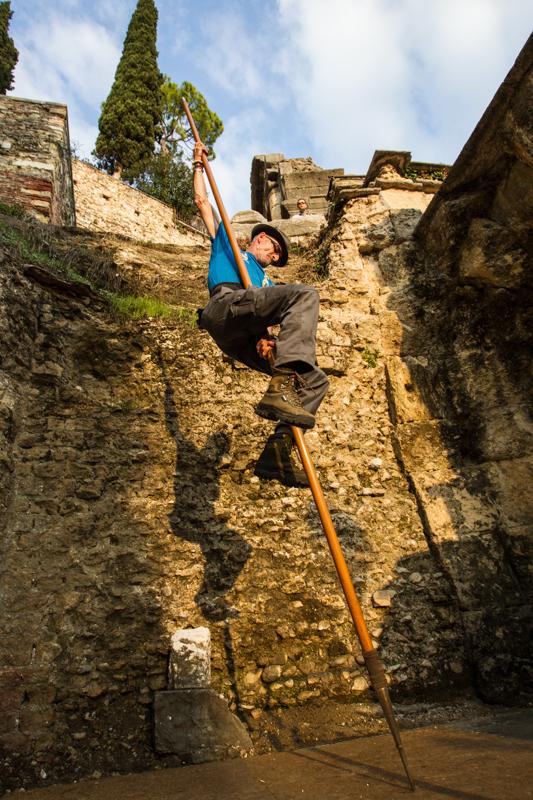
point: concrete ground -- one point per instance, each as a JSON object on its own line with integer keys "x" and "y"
{"x": 488, "y": 760}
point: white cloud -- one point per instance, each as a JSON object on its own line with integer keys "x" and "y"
{"x": 235, "y": 149}
{"x": 66, "y": 60}
{"x": 229, "y": 54}
{"x": 369, "y": 74}
{"x": 334, "y": 80}
{"x": 70, "y": 60}
{"x": 82, "y": 134}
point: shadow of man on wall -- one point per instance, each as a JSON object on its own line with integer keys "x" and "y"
{"x": 193, "y": 516}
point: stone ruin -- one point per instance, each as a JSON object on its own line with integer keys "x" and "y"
{"x": 278, "y": 182}
{"x": 129, "y": 509}
{"x": 35, "y": 165}
{"x": 38, "y": 174}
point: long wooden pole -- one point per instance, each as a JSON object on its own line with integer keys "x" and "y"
{"x": 370, "y": 654}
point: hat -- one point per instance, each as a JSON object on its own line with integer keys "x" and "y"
{"x": 278, "y": 236}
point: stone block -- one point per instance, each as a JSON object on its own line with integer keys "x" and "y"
{"x": 506, "y": 433}
{"x": 493, "y": 255}
{"x": 402, "y": 199}
{"x": 451, "y": 509}
{"x": 248, "y": 217}
{"x": 197, "y": 725}
{"x": 296, "y": 228}
{"x": 480, "y": 572}
{"x": 422, "y": 446}
{"x": 190, "y": 659}
{"x": 242, "y": 224}
{"x": 519, "y": 548}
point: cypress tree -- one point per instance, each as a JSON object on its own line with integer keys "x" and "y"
{"x": 9, "y": 55}
{"x": 130, "y": 115}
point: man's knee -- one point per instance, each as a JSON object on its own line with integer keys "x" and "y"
{"x": 309, "y": 292}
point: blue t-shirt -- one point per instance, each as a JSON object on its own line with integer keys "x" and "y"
{"x": 222, "y": 266}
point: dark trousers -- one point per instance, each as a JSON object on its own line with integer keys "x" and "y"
{"x": 236, "y": 319}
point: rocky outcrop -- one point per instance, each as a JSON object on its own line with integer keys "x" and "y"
{"x": 463, "y": 294}
{"x": 130, "y": 509}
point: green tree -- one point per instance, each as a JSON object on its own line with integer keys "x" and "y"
{"x": 174, "y": 132}
{"x": 169, "y": 178}
{"x": 168, "y": 175}
{"x": 132, "y": 112}
{"x": 9, "y": 55}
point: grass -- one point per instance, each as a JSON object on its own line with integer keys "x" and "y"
{"x": 428, "y": 174}
{"x": 35, "y": 244}
{"x": 136, "y": 307}
{"x": 12, "y": 210}
{"x": 370, "y": 357}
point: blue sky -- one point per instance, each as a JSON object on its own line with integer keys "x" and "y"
{"x": 333, "y": 79}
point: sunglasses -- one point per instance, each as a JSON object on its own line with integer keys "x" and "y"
{"x": 277, "y": 248}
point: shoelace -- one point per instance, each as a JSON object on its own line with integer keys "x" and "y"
{"x": 289, "y": 386}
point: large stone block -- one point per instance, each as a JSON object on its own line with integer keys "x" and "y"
{"x": 512, "y": 481}
{"x": 294, "y": 229}
{"x": 197, "y": 725}
{"x": 190, "y": 659}
{"x": 492, "y": 255}
{"x": 411, "y": 388}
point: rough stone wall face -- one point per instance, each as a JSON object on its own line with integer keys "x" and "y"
{"x": 104, "y": 203}
{"x": 35, "y": 159}
{"x": 131, "y": 509}
{"x": 471, "y": 284}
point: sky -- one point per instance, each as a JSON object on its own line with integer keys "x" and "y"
{"x": 330, "y": 79}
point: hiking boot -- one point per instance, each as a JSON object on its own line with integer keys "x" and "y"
{"x": 276, "y": 462}
{"x": 281, "y": 402}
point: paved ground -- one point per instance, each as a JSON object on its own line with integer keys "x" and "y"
{"x": 487, "y": 761}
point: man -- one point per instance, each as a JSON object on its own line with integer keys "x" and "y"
{"x": 303, "y": 208}
{"x": 304, "y": 215}
{"x": 238, "y": 320}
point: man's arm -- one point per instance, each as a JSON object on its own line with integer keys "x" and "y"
{"x": 201, "y": 200}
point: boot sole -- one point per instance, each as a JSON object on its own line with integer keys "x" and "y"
{"x": 268, "y": 412}
{"x": 275, "y": 476}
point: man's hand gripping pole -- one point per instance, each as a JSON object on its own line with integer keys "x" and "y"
{"x": 372, "y": 659}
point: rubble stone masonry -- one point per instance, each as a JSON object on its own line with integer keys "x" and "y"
{"x": 106, "y": 204}
{"x": 35, "y": 170}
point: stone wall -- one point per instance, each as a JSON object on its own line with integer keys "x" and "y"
{"x": 104, "y": 203}
{"x": 463, "y": 293}
{"x": 35, "y": 170}
{"x": 130, "y": 509}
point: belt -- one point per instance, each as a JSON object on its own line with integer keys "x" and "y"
{"x": 216, "y": 289}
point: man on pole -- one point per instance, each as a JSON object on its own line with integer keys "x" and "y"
{"x": 238, "y": 320}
